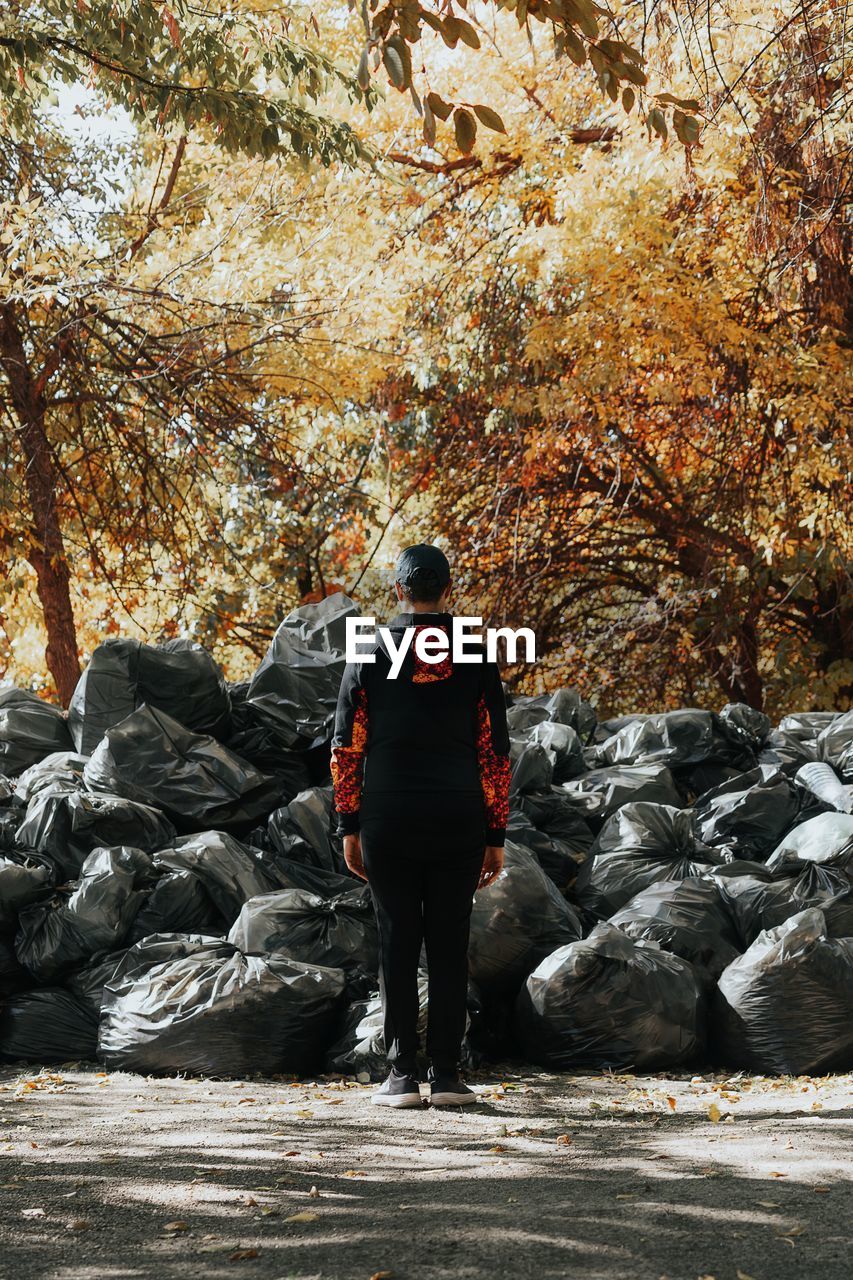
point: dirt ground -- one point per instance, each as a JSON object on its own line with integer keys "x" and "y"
{"x": 114, "y": 1176}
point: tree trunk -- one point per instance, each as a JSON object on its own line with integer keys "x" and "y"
{"x": 737, "y": 675}
{"x": 46, "y": 552}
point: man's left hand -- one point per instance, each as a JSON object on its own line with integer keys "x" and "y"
{"x": 352, "y": 855}
{"x": 493, "y": 861}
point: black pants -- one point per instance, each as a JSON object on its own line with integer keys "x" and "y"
{"x": 423, "y": 894}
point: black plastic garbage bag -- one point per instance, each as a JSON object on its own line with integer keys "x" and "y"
{"x": 835, "y": 745}
{"x": 755, "y": 724}
{"x": 295, "y": 688}
{"x": 688, "y": 917}
{"x": 758, "y": 900}
{"x": 607, "y": 728}
{"x": 61, "y": 770}
{"x": 822, "y": 782}
{"x": 23, "y": 881}
{"x": 786, "y": 1005}
{"x": 787, "y": 752}
{"x": 515, "y": 921}
{"x": 638, "y": 846}
{"x": 30, "y": 729}
{"x": 558, "y": 858}
{"x": 563, "y": 744}
{"x": 696, "y": 780}
{"x": 179, "y": 677}
{"x": 231, "y": 872}
{"x": 685, "y": 737}
{"x": 532, "y": 765}
{"x": 338, "y": 932}
{"x": 57, "y": 936}
{"x": 825, "y": 840}
{"x": 299, "y": 875}
{"x": 794, "y": 742}
{"x": 564, "y": 706}
{"x": 192, "y": 778}
{"x": 609, "y": 1001}
{"x": 252, "y": 737}
{"x": 193, "y": 1004}
{"x": 490, "y": 1036}
{"x": 13, "y": 976}
{"x": 67, "y": 824}
{"x": 807, "y": 725}
{"x": 87, "y": 983}
{"x": 599, "y": 793}
{"x": 177, "y": 903}
{"x": 47, "y": 1026}
{"x": 11, "y": 813}
{"x": 555, "y": 814}
{"x": 302, "y": 830}
{"x": 748, "y": 815}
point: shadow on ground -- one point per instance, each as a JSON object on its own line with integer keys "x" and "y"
{"x": 119, "y": 1176}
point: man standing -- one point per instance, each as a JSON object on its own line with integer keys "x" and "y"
{"x": 421, "y": 770}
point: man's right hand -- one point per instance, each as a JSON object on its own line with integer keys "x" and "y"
{"x": 493, "y": 861}
{"x": 352, "y": 855}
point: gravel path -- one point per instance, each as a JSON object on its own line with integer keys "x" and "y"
{"x": 113, "y": 1176}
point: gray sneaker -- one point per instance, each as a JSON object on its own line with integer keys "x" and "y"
{"x": 398, "y": 1091}
{"x": 447, "y": 1090}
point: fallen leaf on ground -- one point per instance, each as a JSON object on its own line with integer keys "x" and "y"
{"x": 497, "y": 1149}
{"x": 302, "y": 1217}
{"x": 175, "y": 1226}
{"x": 77, "y": 1224}
{"x": 242, "y": 1255}
{"x": 382, "y": 1275}
{"x": 673, "y": 1104}
{"x": 714, "y": 1113}
{"x": 778, "y": 1175}
{"x": 742, "y": 1275}
{"x": 565, "y": 1140}
{"x": 769, "y": 1204}
{"x": 32, "y": 1213}
{"x": 822, "y": 1188}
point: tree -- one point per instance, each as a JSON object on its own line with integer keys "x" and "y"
{"x": 238, "y": 75}
{"x": 604, "y": 355}
{"x": 138, "y": 401}
{"x": 633, "y": 398}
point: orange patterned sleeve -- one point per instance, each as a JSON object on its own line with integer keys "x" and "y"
{"x": 493, "y": 755}
{"x": 349, "y": 746}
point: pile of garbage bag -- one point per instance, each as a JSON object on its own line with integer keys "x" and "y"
{"x": 186, "y": 1002}
{"x": 786, "y": 1005}
{"x": 610, "y": 1000}
{"x": 677, "y": 888}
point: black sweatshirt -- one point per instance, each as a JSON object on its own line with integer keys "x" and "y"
{"x": 434, "y": 737}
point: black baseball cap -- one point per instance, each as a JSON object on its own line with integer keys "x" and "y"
{"x": 423, "y": 564}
